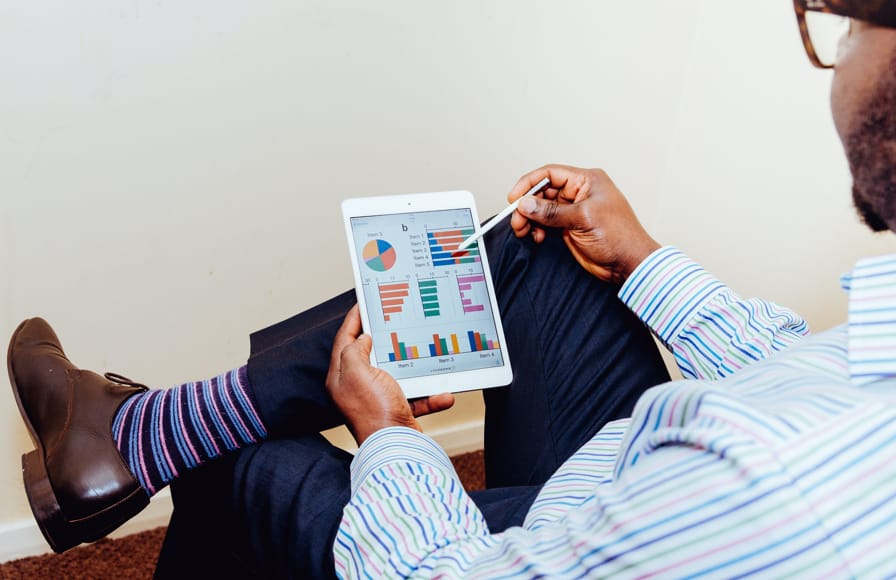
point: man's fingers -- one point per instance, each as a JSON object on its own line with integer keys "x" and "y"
{"x": 432, "y": 404}
{"x": 358, "y": 351}
{"x": 350, "y": 329}
{"x": 346, "y": 335}
{"x": 550, "y": 212}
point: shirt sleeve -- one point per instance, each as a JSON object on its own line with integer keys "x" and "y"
{"x": 681, "y": 510}
{"x": 711, "y": 331}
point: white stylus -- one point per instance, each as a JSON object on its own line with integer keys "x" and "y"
{"x": 504, "y": 213}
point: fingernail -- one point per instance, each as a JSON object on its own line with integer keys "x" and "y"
{"x": 527, "y": 205}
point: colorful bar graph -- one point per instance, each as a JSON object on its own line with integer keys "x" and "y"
{"x": 443, "y": 247}
{"x": 480, "y": 342}
{"x": 400, "y": 351}
{"x": 440, "y": 346}
{"x": 392, "y": 297}
{"x": 429, "y": 296}
{"x": 465, "y": 285}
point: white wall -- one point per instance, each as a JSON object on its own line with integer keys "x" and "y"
{"x": 170, "y": 172}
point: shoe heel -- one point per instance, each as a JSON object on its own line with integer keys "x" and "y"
{"x": 44, "y": 504}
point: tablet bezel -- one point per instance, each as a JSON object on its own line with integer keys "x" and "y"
{"x": 455, "y": 381}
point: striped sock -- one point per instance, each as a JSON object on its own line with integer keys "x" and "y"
{"x": 162, "y": 433}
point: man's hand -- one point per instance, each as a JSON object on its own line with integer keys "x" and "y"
{"x": 599, "y": 226}
{"x": 368, "y": 397}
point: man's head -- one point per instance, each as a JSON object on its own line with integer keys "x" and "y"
{"x": 863, "y": 100}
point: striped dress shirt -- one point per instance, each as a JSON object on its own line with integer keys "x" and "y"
{"x": 775, "y": 458}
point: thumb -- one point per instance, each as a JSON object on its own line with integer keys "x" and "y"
{"x": 358, "y": 352}
{"x": 549, "y": 212}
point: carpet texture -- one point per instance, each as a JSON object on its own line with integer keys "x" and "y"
{"x": 135, "y": 556}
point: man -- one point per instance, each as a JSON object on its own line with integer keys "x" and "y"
{"x": 780, "y": 466}
{"x": 776, "y": 460}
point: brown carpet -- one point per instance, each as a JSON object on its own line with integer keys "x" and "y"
{"x": 135, "y": 556}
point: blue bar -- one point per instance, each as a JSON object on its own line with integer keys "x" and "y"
{"x": 470, "y": 335}
{"x": 442, "y": 255}
{"x": 391, "y": 357}
{"x": 432, "y": 350}
{"x": 443, "y": 262}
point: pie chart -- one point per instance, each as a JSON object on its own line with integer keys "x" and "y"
{"x": 379, "y": 255}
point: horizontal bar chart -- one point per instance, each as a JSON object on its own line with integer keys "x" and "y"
{"x": 429, "y": 297}
{"x": 392, "y": 298}
{"x": 443, "y": 246}
{"x": 466, "y": 285}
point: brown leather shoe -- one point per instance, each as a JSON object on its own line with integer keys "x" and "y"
{"x": 77, "y": 483}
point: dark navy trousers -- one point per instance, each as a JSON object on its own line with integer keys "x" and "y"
{"x": 580, "y": 359}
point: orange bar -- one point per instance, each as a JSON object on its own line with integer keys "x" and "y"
{"x": 436, "y": 341}
{"x": 393, "y": 293}
{"x": 395, "y": 347}
{"x": 397, "y": 302}
{"x": 392, "y": 310}
{"x": 478, "y": 341}
{"x": 449, "y": 233}
{"x": 414, "y": 352}
{"x": 399, "y": 286}
{"x": 455, "y": 344}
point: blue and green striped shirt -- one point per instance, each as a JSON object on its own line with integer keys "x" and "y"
{"x": 774, "y": 459}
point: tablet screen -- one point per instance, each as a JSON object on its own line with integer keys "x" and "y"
{"x": 427, "y": 303}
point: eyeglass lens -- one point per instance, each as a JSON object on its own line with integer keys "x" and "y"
{"x": 825, "y": 32}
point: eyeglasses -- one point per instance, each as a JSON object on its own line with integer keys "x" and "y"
{"x": 821, "y": 32}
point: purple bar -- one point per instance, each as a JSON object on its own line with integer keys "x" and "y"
{"x": 470, "y": 279}
{"x": 463, "y": 287}
{"x": 477, "y": 308}
{"x": 466, "y": 301}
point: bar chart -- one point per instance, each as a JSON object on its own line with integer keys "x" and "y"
{"x": 470, "y": 287}
{"x": 400, "y": 351}
{"x": 442, "y": 346}
{"x": 443, "y": 247}
{"x": 429, "y": 297}
{"x": 392, "y": 297}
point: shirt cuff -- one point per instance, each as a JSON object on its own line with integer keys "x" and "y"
{"x": 667, "y": 289}
{"x": 394, "y": 445}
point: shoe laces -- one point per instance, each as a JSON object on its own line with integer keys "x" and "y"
{"x": 123, "y": 380}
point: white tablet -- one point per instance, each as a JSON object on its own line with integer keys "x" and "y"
{"x": 430, "y": 309}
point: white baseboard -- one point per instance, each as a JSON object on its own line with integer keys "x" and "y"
{"x": 22, "y": 538}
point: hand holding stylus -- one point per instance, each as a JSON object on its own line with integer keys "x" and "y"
{"x": 599, "y": 226}
{"x": 504, "y": 213}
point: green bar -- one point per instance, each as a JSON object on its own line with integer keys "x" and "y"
{"x": 431, "y": 312}
{"x": 444, "y": 344}
{"x": 427, "y": 283}
{"x": 428, "y": 291}
{"x": 428, "y": 299}
{"x": 404, "y": 353}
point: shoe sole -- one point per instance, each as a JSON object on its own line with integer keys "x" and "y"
{"x": 61, "y": 533}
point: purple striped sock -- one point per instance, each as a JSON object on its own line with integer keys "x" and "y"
{"x": 162, "y": 433}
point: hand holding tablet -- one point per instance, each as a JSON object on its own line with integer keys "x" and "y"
{"x": 429, "y": 306}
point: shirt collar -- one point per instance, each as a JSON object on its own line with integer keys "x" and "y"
{"x": 872, "y": 319}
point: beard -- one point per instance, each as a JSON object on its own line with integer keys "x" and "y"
{"x": 871, "y": 151}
